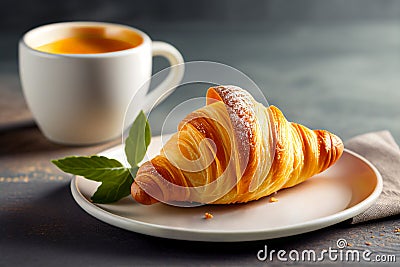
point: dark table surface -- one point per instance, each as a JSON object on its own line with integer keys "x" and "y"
{"x": 344, "y": 77}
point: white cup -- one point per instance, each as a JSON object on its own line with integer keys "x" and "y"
{"x": 82, "y": 98}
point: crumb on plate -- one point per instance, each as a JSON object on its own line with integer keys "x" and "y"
{"x": 273, "y": 199}
{"x": 368, "y": 243}
{"x": 208, "y": 216}
{"x": 397, "y": 230}
{"x": 349, "y": 244}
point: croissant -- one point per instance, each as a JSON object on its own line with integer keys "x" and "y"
{"x": 234, "y": 150}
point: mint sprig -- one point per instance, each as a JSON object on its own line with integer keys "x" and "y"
{"x": 138, "y": 140}
{"x": 116, "y": 180}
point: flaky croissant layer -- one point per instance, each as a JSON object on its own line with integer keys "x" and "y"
{"x": 234, "y": 150}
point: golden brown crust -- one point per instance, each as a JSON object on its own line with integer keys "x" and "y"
{"x": 241, "y": 110}
{"x": 299, "y": 152}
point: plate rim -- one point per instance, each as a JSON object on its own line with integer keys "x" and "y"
{"x": 226, "y": 235}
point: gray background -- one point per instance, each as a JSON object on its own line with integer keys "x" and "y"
{"x": 326, "y": 64}
{"x": 24, "y": 14}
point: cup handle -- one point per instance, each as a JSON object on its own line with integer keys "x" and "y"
{"x": 175, "y": 75}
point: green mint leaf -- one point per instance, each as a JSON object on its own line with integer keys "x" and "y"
{"x": 96, "y": 168}
{"x": 147, "y": 134}
{"x": 138, "y": 140}
{"x": 112, "y": 190}
{"x": 116, "y": 180}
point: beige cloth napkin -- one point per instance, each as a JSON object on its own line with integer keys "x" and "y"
{"x": 382, "y": 151}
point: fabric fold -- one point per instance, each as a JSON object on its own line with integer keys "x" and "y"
{"x": 381, "y": 150}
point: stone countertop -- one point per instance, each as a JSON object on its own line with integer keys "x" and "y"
{"x": 342, "y": 77}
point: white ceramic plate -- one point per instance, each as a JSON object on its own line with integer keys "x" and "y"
{"x": 341, "y": 192}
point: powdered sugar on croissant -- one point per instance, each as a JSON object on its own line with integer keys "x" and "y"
{"x": 234, "y": 150}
